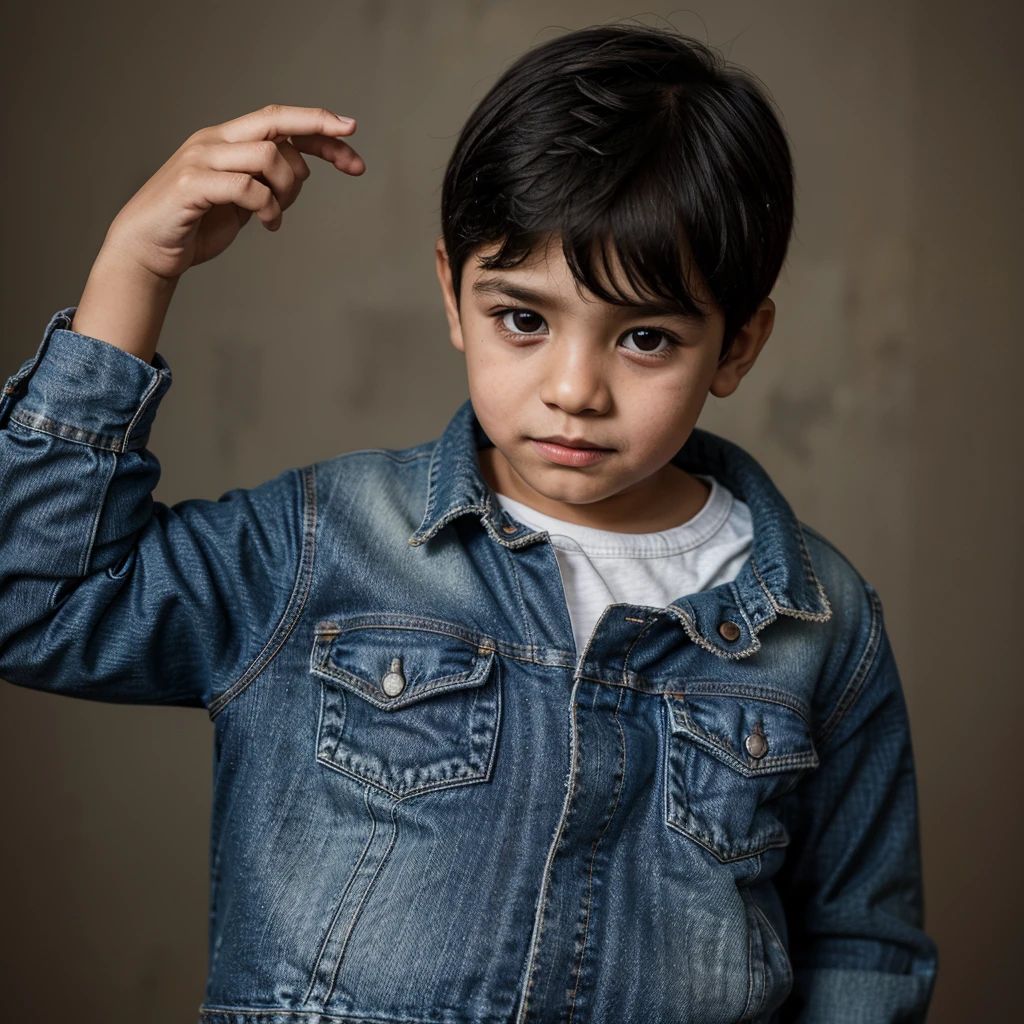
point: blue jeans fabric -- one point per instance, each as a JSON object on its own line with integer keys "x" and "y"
{"x": 429, "y": 807}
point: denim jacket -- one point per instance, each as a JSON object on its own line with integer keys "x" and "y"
{"x": 429, "y": 807}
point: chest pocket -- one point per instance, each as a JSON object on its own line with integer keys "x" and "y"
{"x": 727, "y": 759}
{"x": 407, "y": 705}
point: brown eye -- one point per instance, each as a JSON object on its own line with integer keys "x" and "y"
{"x": 522, "y": 321}
{"x": 648, "y": 340}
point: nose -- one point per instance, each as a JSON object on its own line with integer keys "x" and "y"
{"x": 574, "y": 379}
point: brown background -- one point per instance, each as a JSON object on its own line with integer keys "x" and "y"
{"x": 886, "y": 406}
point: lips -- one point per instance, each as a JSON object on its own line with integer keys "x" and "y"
{"x": 570, "y": 442}
{"x": 576, "y": 452}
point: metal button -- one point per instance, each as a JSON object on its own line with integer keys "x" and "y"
{"x": 730, "y": 631}
{"x": 393, "y": 682}
{"x": 756, "y": 743}
{"x": 510, "y": 529}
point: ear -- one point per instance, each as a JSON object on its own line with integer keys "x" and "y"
{"x": 743, "y": 352}
{"x": 451, "y": 309}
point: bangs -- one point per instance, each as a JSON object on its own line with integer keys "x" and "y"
{"x": 627, "y": 249}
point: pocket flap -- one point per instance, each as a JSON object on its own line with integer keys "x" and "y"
{"x": 755, "y": 737}
{"x": 393, "y": 661}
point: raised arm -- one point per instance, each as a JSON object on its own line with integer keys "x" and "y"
{"x": 104, "y": 592}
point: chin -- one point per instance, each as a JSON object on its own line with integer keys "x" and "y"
{"x": 578, "y": 491}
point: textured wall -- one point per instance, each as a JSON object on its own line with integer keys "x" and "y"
{"x": 886, "y": 404}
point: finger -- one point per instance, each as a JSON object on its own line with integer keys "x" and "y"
{"x": 277, "y": 119}
{"x": 262, "y": 158}
{"x": 334, "y": 151}
{"x": 299, "y": 168}
{"x": 214, "y": 188}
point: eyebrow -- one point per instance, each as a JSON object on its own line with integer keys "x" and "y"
{"x": 496, "y": 286}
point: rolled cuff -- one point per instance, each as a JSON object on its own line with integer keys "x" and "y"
{"x": 86, "y": 390}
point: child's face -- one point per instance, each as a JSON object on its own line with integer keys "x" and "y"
{"x": 545, "y": 361}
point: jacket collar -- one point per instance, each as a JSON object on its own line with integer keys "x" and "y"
{"x": 778, "y": 579}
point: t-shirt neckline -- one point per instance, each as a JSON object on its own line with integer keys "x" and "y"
{"x": 610, "y": 544}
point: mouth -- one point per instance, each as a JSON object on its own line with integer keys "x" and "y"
{"x": 569, "y": 442}
{"x": 569, "y": 451}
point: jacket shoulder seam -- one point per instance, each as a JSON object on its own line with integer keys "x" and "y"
{"x": 296, "y": 600}
{"x": 861, "y": 673}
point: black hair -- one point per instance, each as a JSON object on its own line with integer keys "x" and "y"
{"x": 639, "y": 139}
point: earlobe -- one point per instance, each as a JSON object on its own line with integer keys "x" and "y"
{"x": 726, "y": 380}
{"x": 743, "y": 352}
{"x": 451, "y": 309}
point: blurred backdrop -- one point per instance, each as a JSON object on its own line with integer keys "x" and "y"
{"x": 887, "y": 405}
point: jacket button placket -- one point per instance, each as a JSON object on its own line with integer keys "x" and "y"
{"x": 565, "y": 934}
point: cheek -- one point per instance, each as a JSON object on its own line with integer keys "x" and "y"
{"x": 494, "y": 371}
{"x": 661, "y": 414}
{"x": 497, "y": 387}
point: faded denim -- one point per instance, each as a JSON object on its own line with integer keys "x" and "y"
{"x": 429, "y": 808}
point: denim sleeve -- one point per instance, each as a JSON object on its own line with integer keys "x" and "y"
{"x": 851, "y": 884}
{"x": 105, "y": 593}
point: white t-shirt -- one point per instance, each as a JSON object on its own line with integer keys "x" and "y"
{"x": 602, "y": 567}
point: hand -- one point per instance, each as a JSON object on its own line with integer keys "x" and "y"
{"x": 192, "y": 208}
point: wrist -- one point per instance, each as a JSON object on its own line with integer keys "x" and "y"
{"x": 124, "y": 303}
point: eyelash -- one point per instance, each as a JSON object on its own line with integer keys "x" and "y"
{"x": 674, "y": 343}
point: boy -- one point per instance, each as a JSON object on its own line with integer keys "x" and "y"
{"x": 561, "y": 717}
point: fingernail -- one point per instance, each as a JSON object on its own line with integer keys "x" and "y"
{"x": 345, "y": 120}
